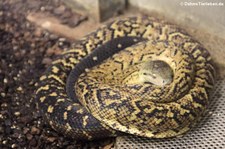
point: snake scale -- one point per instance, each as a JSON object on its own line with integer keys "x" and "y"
{"x": 137, "y": 75}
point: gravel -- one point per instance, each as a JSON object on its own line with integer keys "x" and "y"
{"x": 25, "y": 52}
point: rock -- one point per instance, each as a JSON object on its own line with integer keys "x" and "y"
{"x": 25, "y": 130}
{"x": 35, "y": 130}
{"x": 51, "y": 139}
{"x": 14, "y": 145}
{"x": 29, "y": 136}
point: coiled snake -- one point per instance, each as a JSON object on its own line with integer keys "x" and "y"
{"x": 137, "y": 75}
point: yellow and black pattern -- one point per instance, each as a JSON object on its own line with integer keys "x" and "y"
{"x": 137, "y": 75}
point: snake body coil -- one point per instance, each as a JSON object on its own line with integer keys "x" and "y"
{"x": 137, "y": 75}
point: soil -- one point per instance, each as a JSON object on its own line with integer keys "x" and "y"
{"x": 25, "y": 52}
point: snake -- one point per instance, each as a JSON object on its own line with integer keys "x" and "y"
{"x": 138, "y": 75}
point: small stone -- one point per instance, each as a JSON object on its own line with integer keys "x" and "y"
{"x": 4, "y": 105}
{"x": 95, "y": 58}
{"x": 25, "y": 130}
{"x": 61, "y": 43}
{"x": 119, "y": 46}
{"x": 35, "y": 130}
{"x": 33, "y": 46}
{"x": 4, "y": 141}
{"x": 62, "y": 39}
{"x": 51, "y": 139}
{"x": 29, "y": 136}
{"x": 17, "y": 113}
{"x": 26, "y": 119}
{"x": 53, "y": 37}
{"x": 42, "y": 8}
{"x": 19, "y": 88}
{"x": 15, "y": 48}
{"x": 3, "y": 94}
{"x": 14, "y": 146}
{"x": 13, "y": 127}
{"x": 86, "y": 70}
{"x": 5, "y": 80}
